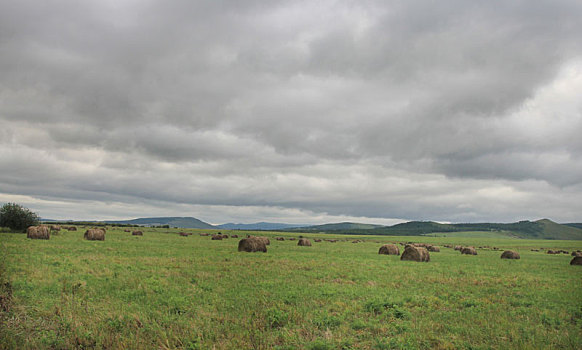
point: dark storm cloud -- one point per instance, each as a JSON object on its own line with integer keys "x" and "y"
{"x": 449, "y": 110}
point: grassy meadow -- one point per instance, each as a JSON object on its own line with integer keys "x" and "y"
{"x": 164, "y": 291}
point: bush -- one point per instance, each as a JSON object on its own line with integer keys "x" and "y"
{"x": 17, "y": 217}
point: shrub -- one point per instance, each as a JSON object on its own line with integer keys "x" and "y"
{"x": 17, "y": 217}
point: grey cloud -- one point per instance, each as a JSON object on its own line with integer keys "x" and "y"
{"x": 262, "y": 104}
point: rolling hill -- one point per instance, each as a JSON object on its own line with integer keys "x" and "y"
{"x": 258, "y": 226}
{"x": 182, "y": 222}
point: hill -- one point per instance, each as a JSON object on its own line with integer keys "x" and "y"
{"x": 342, "y": 226}
{"x": 182, "y": 222}
{"x": 575, "y": 224}
{"x": 541, "y": 229}
{"x": 258, "y": 226}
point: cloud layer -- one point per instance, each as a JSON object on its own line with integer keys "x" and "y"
{"x": 293, "y": 111}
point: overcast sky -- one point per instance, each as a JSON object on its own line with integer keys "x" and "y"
{"x": 292, "y": 111}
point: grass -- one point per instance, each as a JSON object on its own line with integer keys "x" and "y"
{"x": 164, "y": 291}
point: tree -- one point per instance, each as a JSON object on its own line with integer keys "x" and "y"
{"x": 17, "y": 217}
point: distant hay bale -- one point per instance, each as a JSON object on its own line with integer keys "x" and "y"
{"x": 204, "y": 234}
{"x": 72, "y": 228}
{"x": 280, "y": 238}
{"x": 233, "y": 236}
{"x": 55, "y": 228}
{"x": 510, "y": 254}
{"x": 433, "y": 248}
{"x": 292, "y": 238}
{"x": 217, "y": 237}
{"x": 38, "y": 232}
{"x": 389, "y": 249}
{"x": 127, "y": 230}
{"x": 252, "y": 244}
{"x": 224, "y": 236}
{"x": 469, "y": 251}
{"x": 95, "y": 234}
{"x": 137, "y": 233}
{"x": 577, "y": 260}
{"x": 317, "y": 240}
{"x": 264, "y": 239}
{"x": 458, "y": 247}
{"x": 412, "y": 253}
{"x": 304, "y": 242}
{"x": 183, "y": 234}
{"x": 356, "y": 241}
{"x": 552, "y": 252}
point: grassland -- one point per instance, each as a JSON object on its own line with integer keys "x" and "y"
{"x": 163, "y": 291}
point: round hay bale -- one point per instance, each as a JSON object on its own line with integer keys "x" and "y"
{"x": 552, "y": 252}
{"x": 304, "y": 242}
{"x": 217, "y": 237}
{"x": 292, "y": 238}
{"x": 137, "y": 233}
{"x": 577, "y": 260}
{"x": 458, "y": 247}
{"x": 72, "y": 228}
{"x": 317, "y": 240}
{"x": 55, "y": 228}
{"x": 127, "y": 230}
{"x": 280, "y": 239}
{"x": 412, "y": 253}
{"x": 224, "y": 236}
{"x": 389, "y": 249}
{"x": 38, "y": 232}
{"x": 433, "y": 248}
{"x": 356, "y": 241}
{"x": 233, "y": 236}
{"x": 183, "y": 234}
{"x": 576, "y": 253}
{"x": 94, "y": 234}
{"x": 204, "y": 234}
{"x": 510, "y": 254}
{"x": 469, "y": 251}
{"x": 252, "y": 244}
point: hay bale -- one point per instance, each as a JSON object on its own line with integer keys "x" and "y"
{"x": 389, "y": 249}
{"x": 38, "y": 232}
{"x": 137, "y": 233}
{"x": 356, "y": 241}
{"x": 72, "y": 228}
{"x": 510, "y": 254}
{"x": 55, "y": 228}
{"x": 433, "y": 248}
{"x": 217, "y": 237}
{"x": 280, "y": 239}
{"x": 292, "y": 238}
{"x": 458, "y": 247}
{"x": 576, "y": 253}
{"x": 304, "y": 242}
{"x": 94, "y": 234}
{"x": 252, "y": 244}
{"x": 412, "y": 253}
{"x": 553, "y": 252}
{"x": 183, "y": 234}
{"x": 127, "y": 230}
{"x": 264, "y": 239}
{"x": 469, "y": 251}
{"x": 224, "y": 236}
{"x": 233, "y": 236}
{"x": 577, "y": 260}
{"x": 317, "y": 240}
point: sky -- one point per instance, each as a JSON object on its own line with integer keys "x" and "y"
{"x": 292, "y": 111}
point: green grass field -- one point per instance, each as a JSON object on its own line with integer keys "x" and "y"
{"x": 163, "y": 291}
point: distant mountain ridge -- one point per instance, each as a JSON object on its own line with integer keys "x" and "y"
{"x": 173, "y": 221}
{"x": 258, "y": 226}
{"x": 540, "y": 229}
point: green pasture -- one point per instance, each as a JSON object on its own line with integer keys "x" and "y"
{"x": 163, "y": 291}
